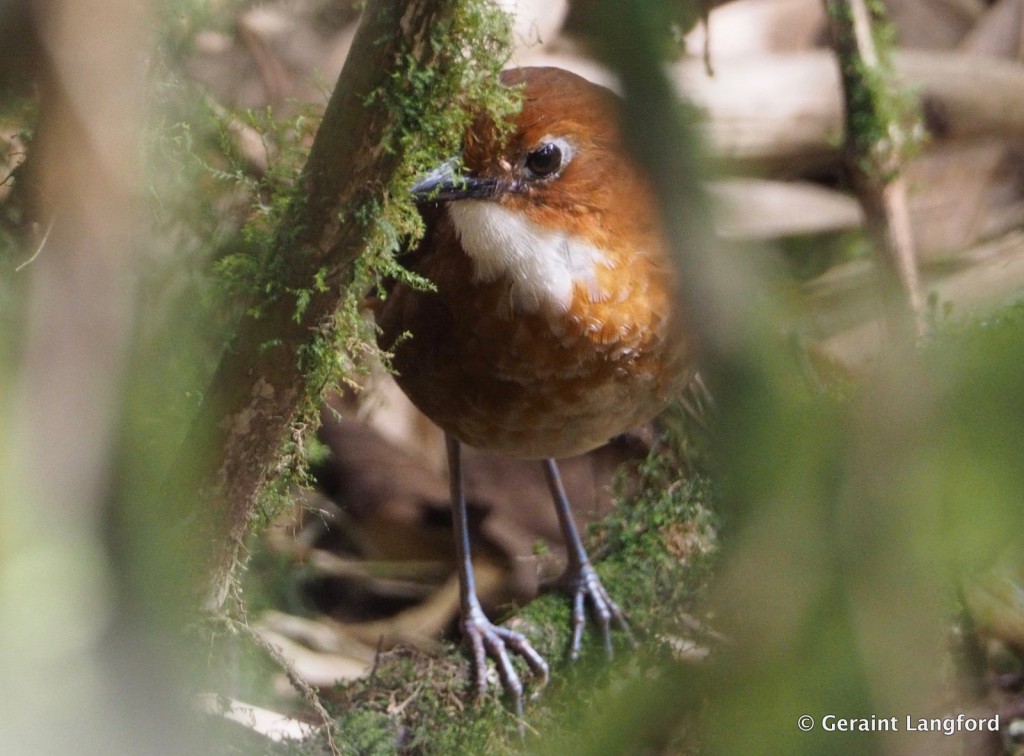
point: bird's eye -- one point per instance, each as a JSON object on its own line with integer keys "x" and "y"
{"x": 545, "y": 160}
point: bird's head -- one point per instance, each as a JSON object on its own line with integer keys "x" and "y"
{"x": 554, "y": 199}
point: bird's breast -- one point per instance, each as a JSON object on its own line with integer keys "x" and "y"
{"x": 506, "y": 359}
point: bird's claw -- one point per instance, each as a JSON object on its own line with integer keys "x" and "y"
{"x": 582, "y": 583}
{"x": 486, "y": 639}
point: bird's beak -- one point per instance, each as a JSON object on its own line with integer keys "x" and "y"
{"x": 446, "y": 183}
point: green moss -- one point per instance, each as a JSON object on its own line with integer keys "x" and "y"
{"x": 432, "y": 107}
{"x": 975, "y": 332}
{"x": 659, "y": 546}
{"x": 415, "y": 703}
{"x": 260, "y": 269}
{"x": 368, "y": 733}
{"x": 883, "y": 118}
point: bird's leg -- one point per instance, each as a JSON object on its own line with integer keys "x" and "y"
{"x": 484, "y": 638}
{"x": 580, "y": 579}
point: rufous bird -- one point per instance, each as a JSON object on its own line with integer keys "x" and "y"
{"x": 554, "y": 325}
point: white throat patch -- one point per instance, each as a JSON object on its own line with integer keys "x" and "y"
{"x": 542, "y": 265}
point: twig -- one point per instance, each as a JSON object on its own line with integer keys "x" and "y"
{"x": 874, "y": 147}
{"x": 308, "y": 693}
{"x": 705, "y": 22}
{"x": 11, "y": 157}
{"x": 39, "y": 249}
{"x": 376, "y": 657}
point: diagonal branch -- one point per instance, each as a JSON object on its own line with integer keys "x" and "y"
{"x": 261, "y": 386}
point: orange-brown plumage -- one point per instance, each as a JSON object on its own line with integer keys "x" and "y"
{"x": 545, "y": 379}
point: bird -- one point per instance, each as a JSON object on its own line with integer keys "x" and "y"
{"x": 552, "y": 323}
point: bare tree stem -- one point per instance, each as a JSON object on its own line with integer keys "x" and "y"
{"x": 874, "y": 145}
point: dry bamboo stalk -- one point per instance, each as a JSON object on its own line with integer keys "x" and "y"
{"x": 782, "y": 114}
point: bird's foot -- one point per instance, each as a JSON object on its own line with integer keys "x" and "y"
{"x": 582, "y": 583}
{"x": 486, "y": 639}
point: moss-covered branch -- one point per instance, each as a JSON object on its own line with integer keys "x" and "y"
{"x": 877, "y": 136}
{"x": 407, "y": 67}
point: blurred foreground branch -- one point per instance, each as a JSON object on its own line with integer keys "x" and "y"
{"x": 832, "y": 554}
{"x": 77, "y": 657}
